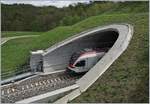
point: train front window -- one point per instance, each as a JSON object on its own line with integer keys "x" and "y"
{"x": 80, "y": 63}
{"x": 74, "y": 57}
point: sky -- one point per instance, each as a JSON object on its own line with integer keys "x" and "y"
{"x": 58, "y": 3}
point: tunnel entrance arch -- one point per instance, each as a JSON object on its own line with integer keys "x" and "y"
{"x": 59, "y": 58}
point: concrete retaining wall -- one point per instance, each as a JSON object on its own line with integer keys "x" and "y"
{"x": 125, "y": 34}
{"x": 120, "y": 36}
{"x": 49, "y": 96}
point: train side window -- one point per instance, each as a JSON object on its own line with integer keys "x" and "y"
{"x": 80, "y": 63}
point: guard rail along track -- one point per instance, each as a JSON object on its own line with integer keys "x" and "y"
{"x": 35, "y": 85}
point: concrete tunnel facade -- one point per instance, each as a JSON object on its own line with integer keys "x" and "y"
{"x": 119, "y": 36}
{"x": 58, "y": 58}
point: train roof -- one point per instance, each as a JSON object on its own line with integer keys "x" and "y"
{"x": 76, "y": 55}
{"x": 92, "y": 49}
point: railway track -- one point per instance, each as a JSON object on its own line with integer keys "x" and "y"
{"x": 35, "y": 86}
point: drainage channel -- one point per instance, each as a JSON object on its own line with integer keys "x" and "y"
{"x": 36, "y": 85}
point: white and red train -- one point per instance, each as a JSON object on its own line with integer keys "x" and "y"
{"x": 85, "y": 59}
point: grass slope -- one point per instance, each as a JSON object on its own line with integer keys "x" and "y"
{"x": 18, "y": 33}
{"x": 125, "y": 81}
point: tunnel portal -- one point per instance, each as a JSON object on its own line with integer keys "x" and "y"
{"x": 59, "y": 58}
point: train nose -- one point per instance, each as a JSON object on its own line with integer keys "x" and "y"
{"x": 71, "y": 66}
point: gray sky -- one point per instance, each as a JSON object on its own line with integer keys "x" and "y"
{"x": 58, "y": 3}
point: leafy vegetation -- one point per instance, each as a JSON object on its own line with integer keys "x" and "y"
{"x": 125, "y": 81}
{"x": 30, "y": 18}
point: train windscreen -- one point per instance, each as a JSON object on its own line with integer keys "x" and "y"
{"x": 74, "y": 57}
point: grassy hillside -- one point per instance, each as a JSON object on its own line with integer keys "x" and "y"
{"x": 18, "y": 33}
{"x": 21, "y": 47}
{"x": 125, "y": 81}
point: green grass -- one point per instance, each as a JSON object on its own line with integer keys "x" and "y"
{"x": 18, "y": 33}
{"x": 125, "y": 81}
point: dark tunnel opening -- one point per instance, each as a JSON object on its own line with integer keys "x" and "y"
{"x": 98, "y": 39}
{"x": 59, "y": 58}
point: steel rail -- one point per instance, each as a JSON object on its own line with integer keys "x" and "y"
{"x": 36, "y": 86}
